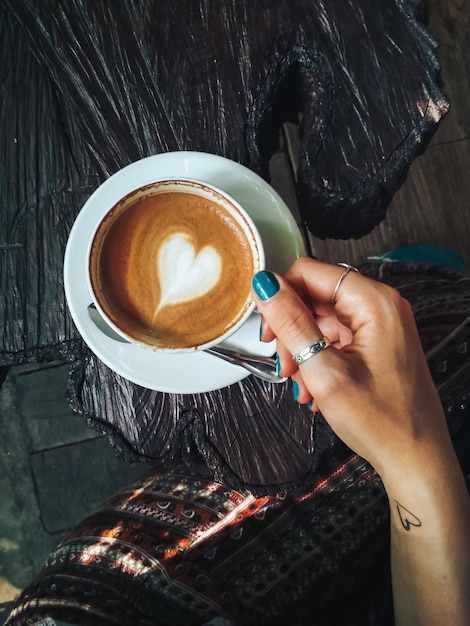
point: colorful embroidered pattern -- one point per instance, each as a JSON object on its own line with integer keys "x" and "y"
{"x": 179, "y": 548}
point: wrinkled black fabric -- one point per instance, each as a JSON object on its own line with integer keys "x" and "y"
{"x": 88, "y": 87}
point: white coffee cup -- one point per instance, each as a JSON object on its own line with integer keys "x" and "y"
{"x": 170, "y": 265}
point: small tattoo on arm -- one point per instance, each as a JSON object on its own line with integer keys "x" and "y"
{"x": 407, "y": 518}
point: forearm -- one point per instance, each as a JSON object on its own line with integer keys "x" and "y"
{"x": 375, "y": 390}
{"x": 430, "y": 542}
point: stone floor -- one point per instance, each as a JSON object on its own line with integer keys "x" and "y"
{"x": 54, "y": 470}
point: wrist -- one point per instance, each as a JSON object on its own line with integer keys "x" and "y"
{"x": 423, "y": 485}
{"x": 420, "y": 450}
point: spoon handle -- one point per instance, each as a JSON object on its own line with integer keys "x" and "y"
{"x": 259, "y": 366}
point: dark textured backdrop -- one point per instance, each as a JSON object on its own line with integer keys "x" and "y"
{"x": 89, "y": 87}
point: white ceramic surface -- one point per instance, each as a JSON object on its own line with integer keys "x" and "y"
{"x": 179, "y": 373}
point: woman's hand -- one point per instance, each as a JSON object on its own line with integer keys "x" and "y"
{"x": 373, "y": 384}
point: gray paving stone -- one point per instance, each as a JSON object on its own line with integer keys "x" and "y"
{"x": 24, "y": 543}
{"x": 73, "y": 480}
{"x": 42, "y": 394}
{"x": 53, "y": 470}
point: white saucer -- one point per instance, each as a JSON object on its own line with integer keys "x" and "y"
{"x": 182, "y": 373}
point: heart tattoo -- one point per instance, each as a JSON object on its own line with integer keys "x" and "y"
{"x": 407, "y": 518}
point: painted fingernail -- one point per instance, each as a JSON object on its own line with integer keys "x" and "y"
{"x": 265, "y": 285}
{"x": 278, "y": 365}
{"x": 261, "y": 329}
{"x": 309, "y": 405}
{"x": 295, "y": 389}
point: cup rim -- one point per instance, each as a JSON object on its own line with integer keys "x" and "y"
{"x": 235, "y": 209}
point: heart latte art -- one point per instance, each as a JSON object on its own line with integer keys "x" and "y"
{"x": 172, "y": 269}
{"x": 183, "y": 274}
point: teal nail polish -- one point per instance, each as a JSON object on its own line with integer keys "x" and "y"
{"x": 309, "y": 405}
{"x": 265, "y": 285}
{"x": 278, "y": 365}
{"x": 295, "y": 389}
{"x": 261, "y": 330}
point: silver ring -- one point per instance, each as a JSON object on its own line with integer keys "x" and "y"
{"x": 348, "y": 268}
{"x": 309, "y": 351}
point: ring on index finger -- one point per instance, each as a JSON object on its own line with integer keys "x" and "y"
{"x": 348, "y": 268}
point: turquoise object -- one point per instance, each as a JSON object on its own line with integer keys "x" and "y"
{"x": 432, "y": 255}
{"x": 295, "y": 389}
{"x": 265, "y": 285}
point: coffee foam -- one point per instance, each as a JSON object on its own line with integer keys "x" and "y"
{"x": 183, "y": 274}
{"x": 172, "y": 270}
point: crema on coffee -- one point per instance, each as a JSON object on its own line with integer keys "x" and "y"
{"x": 172, "y": 268}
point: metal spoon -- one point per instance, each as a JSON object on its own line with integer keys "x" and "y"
{"x": 261, "y": 367}
{"x": 102, "y": 325}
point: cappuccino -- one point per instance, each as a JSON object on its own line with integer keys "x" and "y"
{"x": 171, "y": 264}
